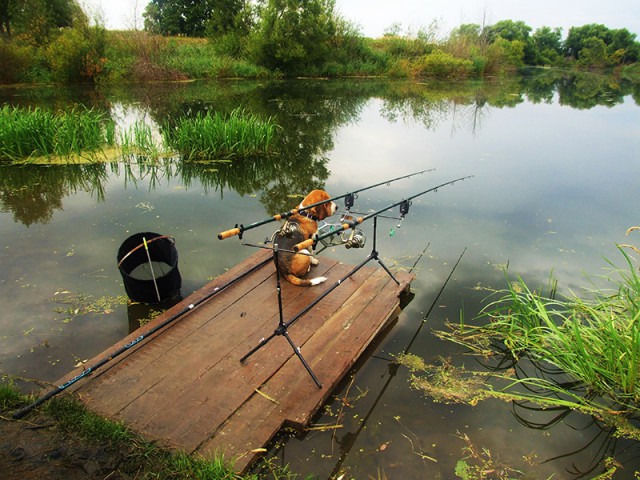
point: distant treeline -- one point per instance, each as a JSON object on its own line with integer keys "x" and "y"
{"x": 55, "y": 41}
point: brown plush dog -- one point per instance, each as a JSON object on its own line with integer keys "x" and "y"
{"x": 298, "y": 228}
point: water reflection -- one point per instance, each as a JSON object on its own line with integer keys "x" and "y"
{"x": 308, "y": 124}
{"x": 601, "y": 441}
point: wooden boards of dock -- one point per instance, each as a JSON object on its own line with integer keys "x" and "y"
{"x": 186, "y": 388}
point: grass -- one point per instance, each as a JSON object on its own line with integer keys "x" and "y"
{"x": 38, "y": 135}
{"x": 27, "y": 133}
{"x": 144, "y": 460}
{"x": 216, "y": 136}
{"x": 594, "y": 343}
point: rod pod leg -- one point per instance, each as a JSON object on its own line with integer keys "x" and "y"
{"x": 282, "y": 327}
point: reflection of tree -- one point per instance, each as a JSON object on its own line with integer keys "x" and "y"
{"x": 33, "y": 193}
{"x": 309, "y": 113}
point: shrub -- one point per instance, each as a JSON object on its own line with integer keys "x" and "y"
{"x": 16, "y": 62}
{"x": 77, "y": 54}
{"x": 442, "y": 65}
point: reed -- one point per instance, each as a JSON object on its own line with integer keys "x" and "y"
{"x": 595, "y": 342}
{"x": 216, "y": 136}
{"x": 139, "y": 141}
{"x": 27, "y": 133}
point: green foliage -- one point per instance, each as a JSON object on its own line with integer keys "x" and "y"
{"x": 37, "y": 21}
{"x": 33, "y": 133}
{"x": 294, "y": 36}
{"x": 545, "y": 46}
{"x": 595, "y": 343}
{"x": 443, "y": 65}
{"x": 10, "y": 397}
{"x": 215, "y": 136}
{"x": 77, "y": 54}
{"x": 585, "y": 45}
{"x": 179, "y": 17}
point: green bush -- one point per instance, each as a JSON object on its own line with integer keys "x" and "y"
{"x": 77, "y": 54}
{"x": 442, "y": 65}
{"x": 16, "y": 61}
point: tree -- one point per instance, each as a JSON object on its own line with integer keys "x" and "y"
{"x": 513, "y": 31}
{"x": 577, "y": 36}
{"x": 295, "y": 35}
{"x": 36, "y": 20}
{"x": 193, "y": 18}
{"x": 547, "y": 45}
{"x": 509, "y": 30}
{"x": 620, "y": 45}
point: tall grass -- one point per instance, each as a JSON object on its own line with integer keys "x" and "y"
{"x": 26, "y": 133}
{"x": 216, "y": 136}
{"x": 595, "y": 342}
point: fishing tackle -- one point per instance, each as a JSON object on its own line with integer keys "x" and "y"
{"x": 351, "y": 224}
{"x": 349, "y": 200}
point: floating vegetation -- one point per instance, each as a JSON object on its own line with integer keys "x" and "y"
{"x": 30, "y": 133}
{"x": 216, "y": 136}
{"x": 79, "y": 304}
{"x": 586, "y": 353}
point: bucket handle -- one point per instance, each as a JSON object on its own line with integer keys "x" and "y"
{"x": 173, "y": 242}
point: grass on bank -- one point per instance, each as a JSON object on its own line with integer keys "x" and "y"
{"x": 587, "y": 352}
{"x": 144, "y": 460}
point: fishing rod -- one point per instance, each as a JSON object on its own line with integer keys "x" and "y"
{"x": 348, "y": 202}
{"x": 26, "y": 409}
{"x": 404, "y": 209}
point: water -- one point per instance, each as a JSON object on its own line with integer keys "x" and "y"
{"x": 555, "y": 163}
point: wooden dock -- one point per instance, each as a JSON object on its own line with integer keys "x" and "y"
{"x": 185, "y": 387}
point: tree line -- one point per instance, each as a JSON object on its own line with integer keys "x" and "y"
{"x": 55, "y": 40}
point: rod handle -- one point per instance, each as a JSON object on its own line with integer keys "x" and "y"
{"x": 228, "y": 233}
{"x": 303, "y": 245}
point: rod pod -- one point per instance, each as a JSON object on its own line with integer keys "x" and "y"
{"x": 349, "y": 200}
{"x": 404, "y": 204}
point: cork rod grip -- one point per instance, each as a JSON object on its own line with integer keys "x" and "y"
{"x": 303, "y": 245}
{"x": 228, "y": 233}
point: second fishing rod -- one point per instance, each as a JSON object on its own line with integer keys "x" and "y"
{"x": 404, "y": 205}
{"x": 349, "y": 199}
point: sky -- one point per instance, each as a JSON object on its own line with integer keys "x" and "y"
{"x": 373, "y": 17}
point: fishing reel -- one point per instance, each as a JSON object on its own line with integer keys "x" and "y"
{"x": 356, "y": 239}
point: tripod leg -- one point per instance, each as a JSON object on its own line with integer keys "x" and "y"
{"x": 386, "y": 269}
{"x": 261, "y": 344}
{"x": 304, "y": 362}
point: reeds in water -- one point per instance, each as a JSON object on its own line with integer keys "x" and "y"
{"x": 27, "y": 133}
{"x": 216, "y": 136}
{"x": 595, "y": 342}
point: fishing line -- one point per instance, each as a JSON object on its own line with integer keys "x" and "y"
{"x": 393, "y": 370}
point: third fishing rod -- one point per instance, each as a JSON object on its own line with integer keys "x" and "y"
{"x": 349, "y": 199}
{"x": 404, "y": 209}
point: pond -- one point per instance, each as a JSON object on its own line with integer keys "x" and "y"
{"x": 555, "y": 159}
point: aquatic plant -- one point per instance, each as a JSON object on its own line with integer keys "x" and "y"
{"x": 587, "y": 351}
{"x": 27, "y": 133}
{"x": 217, "y": 136}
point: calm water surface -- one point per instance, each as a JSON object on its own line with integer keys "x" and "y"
{"x": 556, "y": 163}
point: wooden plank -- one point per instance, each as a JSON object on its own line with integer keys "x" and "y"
{"x": 186, "y": 387}
{"x": 175, "y": 417}
{"x": 331, "y": 352}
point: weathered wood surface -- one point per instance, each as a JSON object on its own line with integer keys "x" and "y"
{"x": 186, "y": 388}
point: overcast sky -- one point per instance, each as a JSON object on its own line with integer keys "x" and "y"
{"x": 374, "y": 16}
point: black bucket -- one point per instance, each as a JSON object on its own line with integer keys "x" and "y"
{"x": 150, "y": 272}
